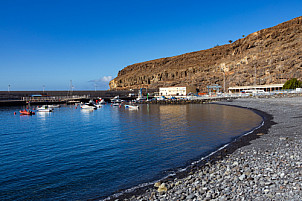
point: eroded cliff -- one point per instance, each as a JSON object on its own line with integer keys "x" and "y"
{"x": 274, "y": 55}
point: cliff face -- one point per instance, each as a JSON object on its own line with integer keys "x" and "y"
{"x": 275, "y": 54}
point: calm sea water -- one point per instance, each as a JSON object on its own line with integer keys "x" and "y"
{"x": 72, "y": 154}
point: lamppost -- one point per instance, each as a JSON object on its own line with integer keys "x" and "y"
{"x": 43, "y": 88}
{"x": 8, "y": 89}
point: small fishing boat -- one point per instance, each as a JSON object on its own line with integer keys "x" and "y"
{"x": 132, "y": 107}
{"x": 90, "y": 106}
{"x": 115, "y": 104}
{"x": 140, "y": 99}
{"x": 25, "y": 112}
{"x": 98, "y": 105}
{"x": 44, "y": 108}
{"x": 54, "y": 106}
{"x": 116, "y": 99}
{"x": 101, "y": 101}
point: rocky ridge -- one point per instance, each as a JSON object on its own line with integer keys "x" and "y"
{"x": 274, "y": 55}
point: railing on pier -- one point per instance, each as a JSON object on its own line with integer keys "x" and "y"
{"x": 54, "y": 98}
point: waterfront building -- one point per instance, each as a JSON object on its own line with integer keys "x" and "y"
{"x": 177, "y": 91}
{"x": 266, "y": 88}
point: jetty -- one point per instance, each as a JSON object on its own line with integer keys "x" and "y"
{"x": 15, "y": 98}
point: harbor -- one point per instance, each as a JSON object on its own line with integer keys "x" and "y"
{"x": 137, "y": 96}
{"x": 151, "y": 100}
{"x": 91, "y": 153}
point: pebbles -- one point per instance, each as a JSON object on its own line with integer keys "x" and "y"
{"x": 269, "y": 168}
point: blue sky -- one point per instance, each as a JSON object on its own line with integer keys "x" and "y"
{"x": 50, "y": 42}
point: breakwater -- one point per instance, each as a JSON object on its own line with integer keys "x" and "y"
{"x": 185, "y": 101}
{"x": 15, "y": 98}
{"x": 17, "y": 95}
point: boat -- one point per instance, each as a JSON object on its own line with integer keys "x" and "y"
{"x": 139, "y": 99}
{"x": 115, "y": 104}
{"x": 44, "y": 108}
{"x": 25, "y": 112}
{"x": 101, "y": 101}
{"x": 132, "y": 107}
{"x": 98, "y": 105}
{"x": 116, "y": 99}
{"x": 89, "y": 105}
{"x": 54, "y": 106}
{"x": 71, "y": 102}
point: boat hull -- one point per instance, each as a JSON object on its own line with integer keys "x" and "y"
{"x": 24, "y": 112}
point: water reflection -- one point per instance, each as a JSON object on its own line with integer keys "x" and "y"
{"x": 43, "y": 115}
{"x": 85, "y": 154}
{"x": 86, "y": 113}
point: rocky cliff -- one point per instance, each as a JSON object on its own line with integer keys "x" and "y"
{"x": 268, "y": 56}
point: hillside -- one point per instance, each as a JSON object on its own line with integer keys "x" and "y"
{"x": 275, "y": 53}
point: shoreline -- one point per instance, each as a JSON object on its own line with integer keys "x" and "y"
{"x": 265, "y": 165}
{"x": 149, "y": 191}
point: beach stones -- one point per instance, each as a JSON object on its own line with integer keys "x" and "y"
{"x": 157, "y": 184}
{"x": 268, "y": 168}
{"x": 162, "y": 188}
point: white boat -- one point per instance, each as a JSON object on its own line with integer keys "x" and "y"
{"x": 116, "y": 99}
{"x": 141, "y": 98}
{"x": 89, "y": 105}
{"x": 132, "y": 107}
{"x": 115, "y": 104}
{"x": 44, "y": 108}
{"x": 98, "y": 105}
{"x": 101, "y": 101}
{"x": 54, "y": 106}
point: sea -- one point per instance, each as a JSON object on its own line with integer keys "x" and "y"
{"x": 77, "y": 154}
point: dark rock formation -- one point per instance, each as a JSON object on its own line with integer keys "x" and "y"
{"x": 275, "y": 54}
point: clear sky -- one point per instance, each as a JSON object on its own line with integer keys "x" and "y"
{"x": 47, "y": 43}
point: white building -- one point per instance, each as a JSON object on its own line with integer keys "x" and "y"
{"x": 266, "y": 88}
{"x": 176, "y": 91}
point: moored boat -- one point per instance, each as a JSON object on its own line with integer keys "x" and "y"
{"x": 54, "y": 106}
{"x": 133, "y": 107}
{"x": 116, "y": 99}
{"x": 25, "y": 112}
{"x": 101, "y": 101}
{"x": 90, "y": 106}
{"x": 44, "y": 108}
{"x": 116, "y": 104}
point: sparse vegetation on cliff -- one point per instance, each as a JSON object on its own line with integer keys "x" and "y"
{"x": 275, "y": 53}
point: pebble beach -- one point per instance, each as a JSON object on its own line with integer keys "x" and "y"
{"x": 263, "y": 165}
